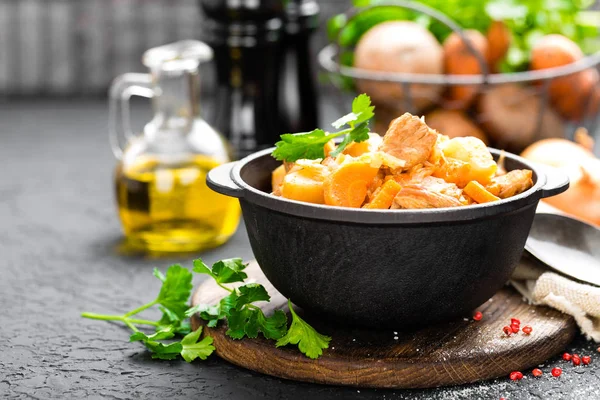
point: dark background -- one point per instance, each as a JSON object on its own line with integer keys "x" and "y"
{"x": 76, "y": 47}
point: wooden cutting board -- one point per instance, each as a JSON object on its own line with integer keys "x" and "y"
{"x": 453, "y": 353}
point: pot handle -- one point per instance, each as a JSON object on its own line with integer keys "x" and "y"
{"x": 556, "y": 180}
{"x": 219, "y": 180}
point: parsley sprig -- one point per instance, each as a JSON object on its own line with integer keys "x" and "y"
{"x": 310, "y": 145}
{"x": 244, "y": 318}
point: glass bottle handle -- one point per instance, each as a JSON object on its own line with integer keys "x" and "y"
{"x": 119, "y": 114}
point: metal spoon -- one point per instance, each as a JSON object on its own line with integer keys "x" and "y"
{"x": 567, "y": 245}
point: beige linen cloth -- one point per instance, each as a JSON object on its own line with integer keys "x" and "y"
{"x": 540, "y": 285}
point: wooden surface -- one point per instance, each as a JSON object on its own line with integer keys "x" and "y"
{"x": 454, "y": 353}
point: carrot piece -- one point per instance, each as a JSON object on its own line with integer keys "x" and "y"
{"x": 384, "y": 196}
{"x": 347, "y": 185}
{"x": 478, "y": 193}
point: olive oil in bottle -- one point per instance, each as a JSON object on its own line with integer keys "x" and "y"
{"x": 170, "y": 208}
{"x": 163, "y": 201}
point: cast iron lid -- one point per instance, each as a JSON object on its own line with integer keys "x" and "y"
{"x": 548, "y": 182}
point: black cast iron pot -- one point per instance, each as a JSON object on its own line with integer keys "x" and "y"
{"x": 383, "y": 268}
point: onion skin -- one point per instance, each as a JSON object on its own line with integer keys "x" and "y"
{"x": 582, "y": 199}
{"x": 399, "y": 46}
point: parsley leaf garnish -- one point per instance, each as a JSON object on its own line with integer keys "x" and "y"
{"x": 309, "y": 341}
{"x": 224, "y": 271}
{"x": 175, "y": 290}
{"x": 237, "y": 308}
{"x": 310, "y": 145}
{"x": 192, "y": 348}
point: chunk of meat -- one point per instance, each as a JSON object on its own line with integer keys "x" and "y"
{"x": 431, "y": 192}
{"x": 511, "y": 183}
{"x": 375, "y": 184}
{"x": 415, "y": 175}
{"x": 410, "y": 139}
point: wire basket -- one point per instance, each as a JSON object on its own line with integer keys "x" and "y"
{"x": 511, "y": 110}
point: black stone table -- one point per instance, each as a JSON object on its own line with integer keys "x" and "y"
{"x": 58, "y": 235}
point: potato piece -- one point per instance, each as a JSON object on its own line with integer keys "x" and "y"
{"x": 399, "y": 46}
{"x": 472, "y": 151}
{"x": 454, "y": 171}
{"x": 303, "y": 185}
{"x": 355, "y": 149}
{"x": 509, "y": 114}
{"x": 436, "y": 153}
{"x": 459, "y": 60}
{"x": 277, "y": 179}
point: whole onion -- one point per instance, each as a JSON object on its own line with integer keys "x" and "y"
{"x": 582, "y": 199}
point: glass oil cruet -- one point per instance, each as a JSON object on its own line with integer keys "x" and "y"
{"x": 163, "y": 201}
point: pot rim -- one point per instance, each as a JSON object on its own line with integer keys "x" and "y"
{"x": 399, "y": 216}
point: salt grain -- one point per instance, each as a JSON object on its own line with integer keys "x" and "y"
{"x": 395, "y": 333}
{"x": 395, "y": 337}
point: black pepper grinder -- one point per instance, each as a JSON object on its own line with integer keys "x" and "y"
{"x": 246, "y": 37}
{"x": 297, "y": 89}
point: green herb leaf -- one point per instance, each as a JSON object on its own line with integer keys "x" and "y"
{"x": 164, "y": 351}
{"x": 163, "y": 334}
{"x": 170, "y": 319}
{"x": 358, "y": 134}
{"x": 192, "y": 348}
{"x": 224, "y": 271}
{"x": 362, "y": 111}
{"x": 240, "y": 324}
{"x": 176, "y": 290}
{"x": 361, "y": 106}
{"x": 213, "y": 313}
{"x": 309, "y": 341}
{"x": 250, "y": 293}
{"x": 309, "y": 145}
{"x": 159, "y": 350}
{"x": 159, "y": 275}
{"x": 345, "y": 120}
{"x": 273, "y": 327}
{"x": 229, "y": 270}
